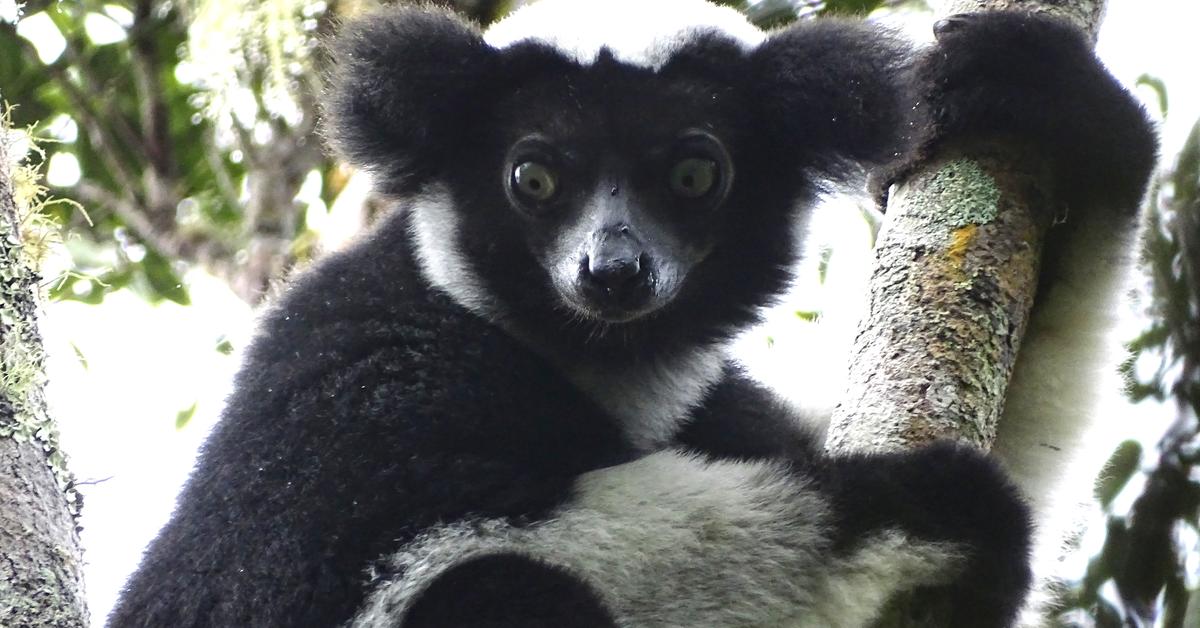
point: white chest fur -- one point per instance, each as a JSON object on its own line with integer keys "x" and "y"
{"x": 652, "y": 399}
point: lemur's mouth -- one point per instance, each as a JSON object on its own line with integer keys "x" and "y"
{"x": 637, "y": 294}
{"x": 615, "y": 299}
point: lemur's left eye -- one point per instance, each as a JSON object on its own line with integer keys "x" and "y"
{"x": 693, "y": 177}
{"x": 534, "y": 181}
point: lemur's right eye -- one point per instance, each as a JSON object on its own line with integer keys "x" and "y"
{"x": 534, "y": 181}
{"x": 693, "y": 177}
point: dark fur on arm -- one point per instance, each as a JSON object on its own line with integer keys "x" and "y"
{"x": 740, "y": 419}
{"x": 1033, "y": 78}
{"x": 941, "y": 493}
{"x": 944, "y": 492}
{"x": 508, "y": 591}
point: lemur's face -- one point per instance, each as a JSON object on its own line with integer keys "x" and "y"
{"x": 615, "y": 201}
{"x": 619, "y": 197}
{"x": 611, "y": 201}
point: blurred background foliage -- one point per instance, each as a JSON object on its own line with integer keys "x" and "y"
{"x": 188, "y": 131}
{"x": 1147, "y": 571}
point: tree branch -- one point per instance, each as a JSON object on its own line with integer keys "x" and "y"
{"x": 956, "y": 271}
{"x": 167, "y": 242}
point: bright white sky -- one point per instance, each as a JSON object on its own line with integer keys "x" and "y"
{"x": 144, "y": 364}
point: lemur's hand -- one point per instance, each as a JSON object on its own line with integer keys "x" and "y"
{"x": 1034, "y": 79}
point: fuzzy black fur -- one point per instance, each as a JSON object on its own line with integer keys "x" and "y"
{"x": 372, "y": 406}
{"x": 1034, "y": 79}
{"x": 369, "y": 409}
{"x": 505, "y": 591}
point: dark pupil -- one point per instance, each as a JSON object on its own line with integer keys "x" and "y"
{"x": 534, "y": 181}
{"x": 693, "y": 177}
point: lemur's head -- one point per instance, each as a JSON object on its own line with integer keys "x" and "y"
{"x": 623, "y": 166}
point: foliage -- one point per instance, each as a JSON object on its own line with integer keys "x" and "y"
{"x": 1145, "y": 571}
{"x": 171, "y": 178}
{"x": 776, "y": 13}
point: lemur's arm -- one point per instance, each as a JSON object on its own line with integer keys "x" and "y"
{"x": 677, "y": 539}
{"x": 942, "y": 495}
{"x": 1034, "y": 79}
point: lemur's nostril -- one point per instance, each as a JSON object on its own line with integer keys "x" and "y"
{"x": 612, "y": 272}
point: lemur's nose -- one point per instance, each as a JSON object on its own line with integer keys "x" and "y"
{"x": 613, "y": 271}
{"x": 614, "y": 258}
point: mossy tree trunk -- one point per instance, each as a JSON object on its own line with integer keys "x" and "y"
{"x": 950, "y": 296}
{"x": 41, "y": 580}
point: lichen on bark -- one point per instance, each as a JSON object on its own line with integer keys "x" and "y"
{"x": 23, "y": 415}
{"x": 41, "y": 580}
{"x": 955, "y": 271}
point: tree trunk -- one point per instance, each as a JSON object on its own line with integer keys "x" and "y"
{"x": 950, "y": 299}
{"x": 951, "y": 293}
{"x": 41, "y": 581}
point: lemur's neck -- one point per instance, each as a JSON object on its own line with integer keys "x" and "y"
{"x": 649, "y": 395}
{"x": 651, "y": 399}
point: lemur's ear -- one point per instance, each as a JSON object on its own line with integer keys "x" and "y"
{"x": 401, "y": 78}
{"x": 835, "y": 93}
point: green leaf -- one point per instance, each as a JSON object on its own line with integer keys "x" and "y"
{"x": 850, "y": 7}
{"x": 1160, "y": 90}
{"x": 79, "y": 355}
{"x": 183, "y": 416}
{"x": 1121, "y": 466}
{"x": 78, "y": 288}
{"x": 163, "y": 280}
{"x": 224, "y": 347}
{"x": 823, "y": 263}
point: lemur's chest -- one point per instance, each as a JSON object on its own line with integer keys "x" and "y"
{"x": 651, "y": 400}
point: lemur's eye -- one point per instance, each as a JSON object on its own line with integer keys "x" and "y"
{"x": 534, "y": 181}
{"x": 693, "y": 177}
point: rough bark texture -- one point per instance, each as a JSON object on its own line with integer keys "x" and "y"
{"x": 41, "y": 581}
{"x": 953, "y": 285}
{"x": 954, "y": 280}
{"x": 1088, "y": 14}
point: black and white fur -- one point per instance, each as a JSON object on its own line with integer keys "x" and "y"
{"x": 452, "y": 423}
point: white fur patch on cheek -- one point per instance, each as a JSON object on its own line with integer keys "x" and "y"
{"x": 644, "y": 33}
{"x": 435, "y": 227}
{"x": 673, "y": 540}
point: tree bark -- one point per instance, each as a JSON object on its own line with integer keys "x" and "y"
{"x": 956, "y": 271}
{"x": 41, "y": 580}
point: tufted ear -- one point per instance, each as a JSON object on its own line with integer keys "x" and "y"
{"x": 401, "y": 79}
{"x": 835, "y": 93}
